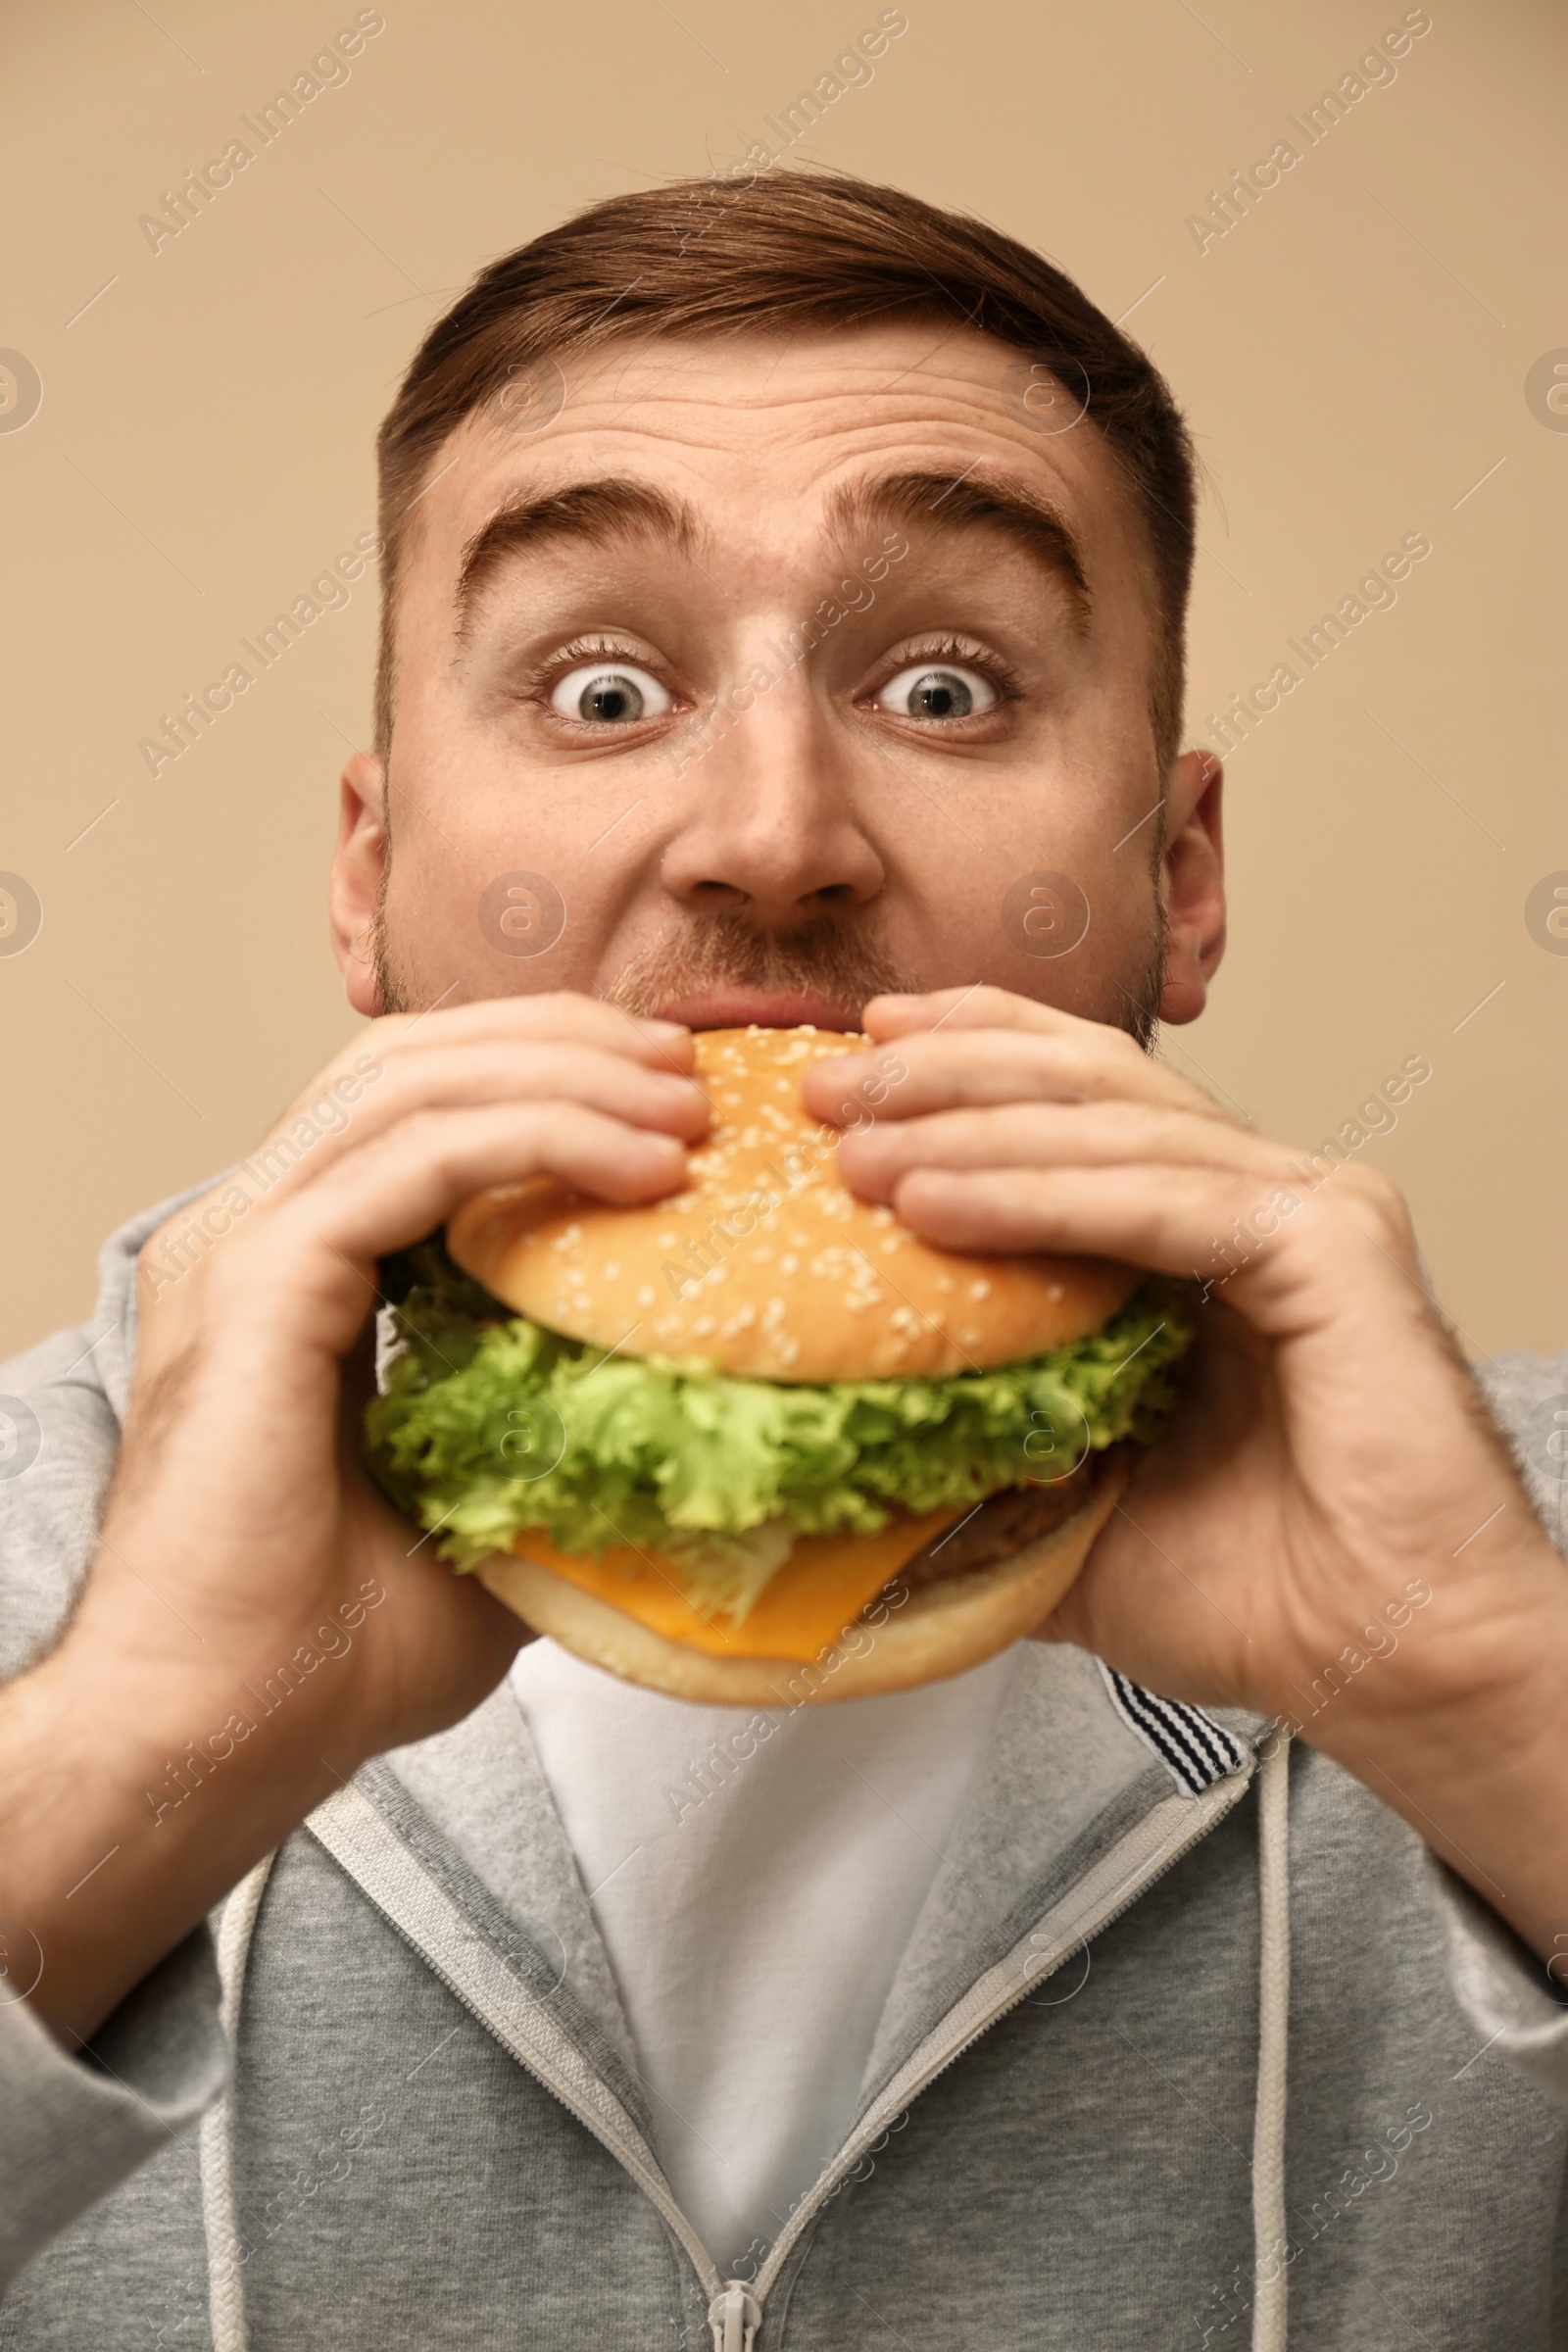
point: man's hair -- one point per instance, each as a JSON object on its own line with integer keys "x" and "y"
{"x": 788, "y": 251}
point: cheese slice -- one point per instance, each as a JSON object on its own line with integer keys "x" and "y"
{"x": 801, "y": 1611}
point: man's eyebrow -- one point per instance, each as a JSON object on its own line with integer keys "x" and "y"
{"x": 592, "y": 510}
{"x": 941, "y": 502}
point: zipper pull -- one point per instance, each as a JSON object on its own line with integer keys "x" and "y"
{"x": 734, "y": 2316}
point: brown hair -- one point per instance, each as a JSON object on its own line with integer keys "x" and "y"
{"x": 787, "y": 250}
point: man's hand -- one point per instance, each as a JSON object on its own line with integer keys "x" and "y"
{"x": 258, "y": 1617}
{"x": 1330, "y": 1458}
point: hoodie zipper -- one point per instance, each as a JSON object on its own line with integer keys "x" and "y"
{"x": 734, "y": 2316}
{"x": 988, "y": 2001}
{"x": 365, "y": 1844}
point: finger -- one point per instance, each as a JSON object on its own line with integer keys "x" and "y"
{"x": 312, "y": 1262}
{"x": 1292, "y": 1258}
{"x": 520, "y": 1071}
{"x": 940, "y": 1070}
{"x": 1040, "y": 1136}
{"x": 447, "y": 1076}
{"x": 564, "y": 1016}
{"x": 977, "y": 1006}
{"x": 1160, "y": 1218}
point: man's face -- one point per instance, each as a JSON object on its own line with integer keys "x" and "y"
{"x": 785, "y": 665}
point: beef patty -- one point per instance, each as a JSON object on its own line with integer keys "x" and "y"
{"x": 1004, "y": 1524}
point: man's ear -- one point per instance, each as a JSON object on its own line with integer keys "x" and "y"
{"x": 1192, "y": 884}
{"x": 359, "y": 863}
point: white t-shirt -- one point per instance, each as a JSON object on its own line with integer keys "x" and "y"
{"x": 755, "y": 1877}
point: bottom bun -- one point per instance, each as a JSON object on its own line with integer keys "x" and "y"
{"x": 942, "y": 1629}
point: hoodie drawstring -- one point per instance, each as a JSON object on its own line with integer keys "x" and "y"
{"x": 734, "y": 2314}
{"x": 1270, "y": 2240}
{"x": 219, "y": 2223}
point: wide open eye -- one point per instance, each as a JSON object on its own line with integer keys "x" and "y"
{"x": 609, "y": 694}
{"x": 937, "y": 690}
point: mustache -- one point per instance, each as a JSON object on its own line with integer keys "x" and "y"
{"x": 726, "y": 950}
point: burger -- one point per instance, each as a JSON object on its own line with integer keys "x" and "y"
{"x": 759, "y": 1444}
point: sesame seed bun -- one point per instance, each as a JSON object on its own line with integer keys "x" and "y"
{"x": 767, "y": 1265}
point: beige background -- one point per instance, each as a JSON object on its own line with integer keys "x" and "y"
{"x": 1353, "y": 356}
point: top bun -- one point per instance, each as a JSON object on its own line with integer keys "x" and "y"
{"x": 767, "y": 1265}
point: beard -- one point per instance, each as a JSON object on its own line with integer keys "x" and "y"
{"x": 710, "y": 953}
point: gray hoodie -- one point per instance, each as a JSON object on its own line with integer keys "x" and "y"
{"x": 1194, "y": 2043}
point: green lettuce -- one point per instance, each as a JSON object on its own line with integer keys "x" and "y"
{"x": 488, "y": 1424}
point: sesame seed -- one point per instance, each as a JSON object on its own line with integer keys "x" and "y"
{"x": 980, "y": 1289}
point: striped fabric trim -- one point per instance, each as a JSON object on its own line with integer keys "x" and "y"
{"x": 1193, "y": 1749}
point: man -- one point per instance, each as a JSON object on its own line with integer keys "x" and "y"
{"x": 771, "y": 586}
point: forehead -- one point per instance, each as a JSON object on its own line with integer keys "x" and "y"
{"x": 761, "y": 435}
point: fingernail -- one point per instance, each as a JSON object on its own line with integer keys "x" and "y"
{"x": 664, "y": 1028}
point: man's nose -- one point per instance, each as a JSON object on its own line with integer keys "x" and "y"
{"x": 771, "y": 821}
